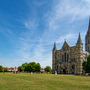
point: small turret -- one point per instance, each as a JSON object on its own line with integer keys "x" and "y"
{"x": 79, "y": 44}
{"x": 79, "y": 39}
{"x": 54, "y": 48}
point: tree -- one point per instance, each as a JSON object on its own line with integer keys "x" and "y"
{"x": 20, "y": 68}
{"x": 86, "y": 65}
{"x": 31, "y": 67}
{"x": 25, "y": 65}
{"x": 37, "y": 67}
{"x": 5, "y": 70}
{"x": 1, "y": 68}
{"x": 48, "y": 69}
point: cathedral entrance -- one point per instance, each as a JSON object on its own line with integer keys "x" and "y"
{"x": 64, "y": 71}
{"x": 72, "y": 72}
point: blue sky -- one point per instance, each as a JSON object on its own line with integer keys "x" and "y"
{"x": 28, "y": 29}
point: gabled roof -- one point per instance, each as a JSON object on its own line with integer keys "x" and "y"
{"x": 66, "y": 45}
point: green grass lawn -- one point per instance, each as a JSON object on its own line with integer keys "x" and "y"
{"x": 25, "y": 81}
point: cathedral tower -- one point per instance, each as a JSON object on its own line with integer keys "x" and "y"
{"x": 54, "y": 57}
{"x": 87, "y": 39}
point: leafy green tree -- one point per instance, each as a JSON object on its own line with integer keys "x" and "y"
{"x": 5, "y": 70}
{"x": 31, "y": 67}
{"x": 1, "y": 68}
{"x": 86, "y": 65}
{"x": 25, "y": 66}
{"x": 37, "y": 67}
{"x": 20, "y": 68}
{"x": 48, "y": 69}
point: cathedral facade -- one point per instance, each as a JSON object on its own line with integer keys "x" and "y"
{"x": 68, "y": 60}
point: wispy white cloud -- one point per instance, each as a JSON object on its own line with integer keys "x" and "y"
{"x": 87, "y": 1}
{"x": 62, "y": 12}
{"x": 66, "y": 11}
{"x": 39, "y": 3}
{"x": 8, "y": 33}
{"x": 67, "y": 37}
{"x": 31, "y": 24}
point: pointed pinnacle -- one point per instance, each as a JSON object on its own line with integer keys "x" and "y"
{"x": 79, "y": 39}
{"x": 54, "y": 48}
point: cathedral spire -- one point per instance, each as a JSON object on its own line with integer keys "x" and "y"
{"x": 89, "y": 24}
{"x": 54, "y": 48}
{"x": 79, "y": 39}
{"x": 87, "y": 39}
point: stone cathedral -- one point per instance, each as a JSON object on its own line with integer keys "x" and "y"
{"x": 68, "y": 60}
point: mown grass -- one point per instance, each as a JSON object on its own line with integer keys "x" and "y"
{"x": 25, "y": 81}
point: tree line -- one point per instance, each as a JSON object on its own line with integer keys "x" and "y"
{"x": 29, "y": 67}
{"x": 33, "y": 67}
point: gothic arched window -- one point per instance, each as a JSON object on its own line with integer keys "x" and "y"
{"x": 73, "y": 67}
{"x": 57, "y": 67}
{"x": 88, "y": 41}
{"x": 55, "y": 56}
{"x": 65, "y": 57}
{"x": 62, "y": 58}
{"x": 88, "y": 48}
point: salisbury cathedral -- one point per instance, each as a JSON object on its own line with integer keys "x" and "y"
{"x": 68, "y": 60}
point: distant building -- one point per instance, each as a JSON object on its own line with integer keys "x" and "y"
{"x": 11, "y": 69}
{"x": 42, "y": 69}
{"x": 68, "y": 60}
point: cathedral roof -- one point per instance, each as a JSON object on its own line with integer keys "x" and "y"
{"x": 66, "y": 45}
{"x": 70, "y": 45}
